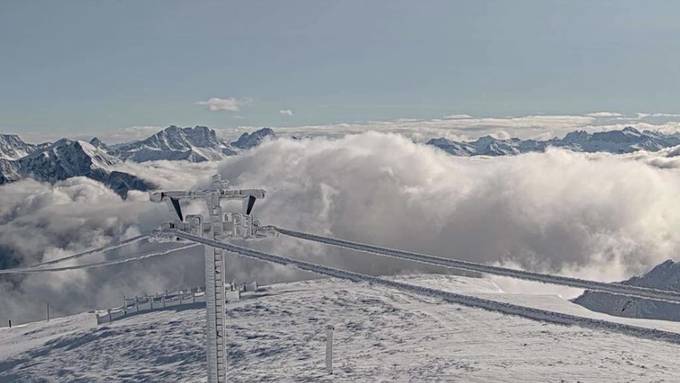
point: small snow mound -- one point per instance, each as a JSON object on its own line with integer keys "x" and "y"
{"x": 664, "y": 276}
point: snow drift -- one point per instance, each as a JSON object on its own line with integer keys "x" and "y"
{"x": 665, "y": 276}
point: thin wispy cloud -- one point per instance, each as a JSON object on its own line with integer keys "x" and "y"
{"x": 229, "y": 104}
{"x": 286, "y": 112}
{"x": 604, "y": 114}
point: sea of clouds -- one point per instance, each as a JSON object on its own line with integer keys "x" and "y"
{"x": 453, "y": 126}
{"x": 599, "y": 216}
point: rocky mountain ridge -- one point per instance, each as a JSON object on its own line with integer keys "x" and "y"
{"x": 627, "y": 140}
{"x": 65, "y": 158}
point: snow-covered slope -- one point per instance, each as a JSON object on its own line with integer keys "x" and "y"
{"x": 8, "y": 171}
{"x": 12, "y": 147}
{"x": 195, "y": 144}
{"x": 277, "y": 335}
{"x": 67, "y": 158}
{"x": 665, "y": 276}
{"x": 616, "y": 141}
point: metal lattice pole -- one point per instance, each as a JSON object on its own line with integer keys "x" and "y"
{"x": 217, "y": 227}
{"x": 214, "y": 275}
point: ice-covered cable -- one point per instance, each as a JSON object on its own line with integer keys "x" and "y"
{"x": 27, "y": 270}
{"x": 102, "y": 249}
{"x": 612, "y": 288}
{"x": 470, "y": 301}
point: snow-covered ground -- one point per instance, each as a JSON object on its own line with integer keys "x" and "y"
{"x": 381, "y": 334}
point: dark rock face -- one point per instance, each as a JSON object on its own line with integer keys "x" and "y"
{"x": 97, "y": 143}
{"x": 65, "y": 159}
{"x": 122, "y": 183}
{"x": 8, "y": 258}
{"x": 250, "y": 140}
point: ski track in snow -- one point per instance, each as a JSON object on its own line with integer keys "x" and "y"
{"x": 381, "y": 335}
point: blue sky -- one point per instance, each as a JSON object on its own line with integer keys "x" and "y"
{"x": 92, "y": 66}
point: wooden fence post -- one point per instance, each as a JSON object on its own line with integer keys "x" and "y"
{"x": 329, "y": 349}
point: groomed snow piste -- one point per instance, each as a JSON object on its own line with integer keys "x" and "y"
{"x": 278, "y": 334}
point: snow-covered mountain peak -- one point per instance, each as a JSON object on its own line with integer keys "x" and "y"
{"x": 576, "y": 136}
{"x": 71, "y": 158}
{"x": 97, "y": 143}
{"x": 631, "y": 130}
{"x": 626, "y": 140}
{"x": 174, "y": 138}
{"x": 250, "y": 140}
{"x": 195, "y": 144}
{"x": 77, "y": 153}
{"x": 12, "y": 147}
{"x": 627, "y": 135}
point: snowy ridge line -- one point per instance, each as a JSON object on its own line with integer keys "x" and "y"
{"x": 26, "y": 270}
{"x": 106, "y": 248}
{"x": 612, "y": 288}
{"x": 470, "y": 301}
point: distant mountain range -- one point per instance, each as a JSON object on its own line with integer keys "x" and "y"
{"x": 615, "y": 141}
{"x": 66, "y": 158}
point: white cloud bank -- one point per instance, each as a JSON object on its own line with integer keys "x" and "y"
{"x": 598, "y": 216}
{"x": 39, "y": 221}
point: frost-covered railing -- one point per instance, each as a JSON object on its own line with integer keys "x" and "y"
{"x": 137, "y": 304}
{"x": 145, "y": 303}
